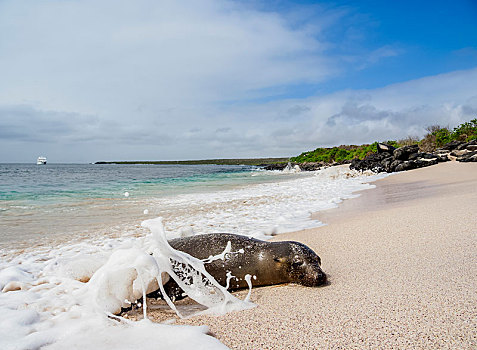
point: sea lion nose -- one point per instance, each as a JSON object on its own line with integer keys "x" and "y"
{"x": 321, "y": 278}
{"x": 316, "y": 276}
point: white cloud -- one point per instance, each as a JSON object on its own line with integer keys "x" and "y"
{"x": 90, "y": 80}
{"x": 92, "y": 56}
{"x": 282, "y": 128}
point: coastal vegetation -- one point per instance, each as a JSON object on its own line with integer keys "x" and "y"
{"x": 437, "y": 136}
{"x": 335, "y": 154}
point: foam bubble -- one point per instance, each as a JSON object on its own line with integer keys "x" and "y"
{"x": 186, "y": 231}
{"x": 14, "y": 274}
{"x": 81, "y": 268}
{"x": 122, "y": 280}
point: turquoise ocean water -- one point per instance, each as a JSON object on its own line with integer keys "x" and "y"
{"x": 38, "y": 202}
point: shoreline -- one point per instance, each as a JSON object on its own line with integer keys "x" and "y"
{"x": 401, "y": 260}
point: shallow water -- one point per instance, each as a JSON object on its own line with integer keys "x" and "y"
{"x": 60, "y": 202}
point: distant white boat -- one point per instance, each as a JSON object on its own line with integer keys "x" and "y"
{"x": 41, "y": 160}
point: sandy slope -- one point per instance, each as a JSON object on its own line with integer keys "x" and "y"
{"x": 402, "y": 262}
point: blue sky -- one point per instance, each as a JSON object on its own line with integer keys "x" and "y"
{"x": 422, "y": 38}
{"x": 115, "y": 80}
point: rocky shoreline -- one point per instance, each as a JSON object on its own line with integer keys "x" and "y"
{"x": 390, "y": 159}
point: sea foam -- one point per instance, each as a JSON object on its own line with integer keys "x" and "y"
{"x": 57, "y": 310}
{"x": 265, "y": 209}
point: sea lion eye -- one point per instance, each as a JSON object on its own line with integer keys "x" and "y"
{"x": 297, "y": 262}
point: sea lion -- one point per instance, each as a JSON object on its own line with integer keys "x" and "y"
{"x": 268, "y": 263}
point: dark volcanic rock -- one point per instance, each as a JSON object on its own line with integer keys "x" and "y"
{"x": 465, "y": 145}
{"x": 394, "y": 164}
{"x": 401, "y": 159}
{"x": 370, "y": 162}
{"x": 278, "y": 166}
{"x": 406, "y": 165}
{"x": 310, "y": 166}
{"x": 426, "y": 155}
{"x": 469, "y": 146}
{"x": 306, "y": 166}
{"x": 403, "y": 153}
{"x": 390, "y": 159}
{"x": 421, "y": 163}
{"x": 383, "y": 147}
{"x": 386, "y": 163}
{"x": 443, "y": 158}
{"x": 468, "y": 157}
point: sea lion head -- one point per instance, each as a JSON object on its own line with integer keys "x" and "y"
{"x": 303, "y": 265}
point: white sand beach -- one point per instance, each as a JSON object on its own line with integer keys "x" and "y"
{"x": 402, "y": 267}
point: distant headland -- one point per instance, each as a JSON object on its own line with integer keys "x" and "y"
{"x": 247, "y": 161}
{"x": 411, "y": 153}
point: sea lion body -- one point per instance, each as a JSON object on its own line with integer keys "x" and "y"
{"x": 267, "y": 262}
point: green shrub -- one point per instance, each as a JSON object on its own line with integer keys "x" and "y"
{"x": 393, "y": 143}
{"x": 443, "y": 136}
{"x": 436, "y": 136}
{"x": 335, "y": 154}
{"x": 466, "y": 131}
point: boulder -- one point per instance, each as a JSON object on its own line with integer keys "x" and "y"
{"x": 277, "y": 166}
{"x": 403, "y": 153}
{"x": 370, "y": 162}
{"x": 468, "y": 157}
{"x": 423, "y": 162}
{"x": 470, "y": 146}
{"x": 406, "y": 165}
{"x": 426, "y": 156}
{"x": 441, "y": 151}
{"x": 394, "y": 164}
{"x": 442, "y": 158}
{"x": 401, "y": 159}
{"x": 386, "y": 163}
{"x": 458, "y": 153}
{"x": 311, "y": 166}
{"x": 384, "y": 147}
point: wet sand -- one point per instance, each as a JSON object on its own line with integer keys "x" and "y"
{"x": 402, "y": 266}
